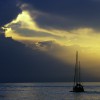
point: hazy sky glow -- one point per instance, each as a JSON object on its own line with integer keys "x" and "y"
{"x": 69, "y": 24}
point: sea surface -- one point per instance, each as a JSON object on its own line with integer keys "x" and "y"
{"x": 48, "y": 91}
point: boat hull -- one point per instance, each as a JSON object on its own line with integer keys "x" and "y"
{"x": 78, "y": 88}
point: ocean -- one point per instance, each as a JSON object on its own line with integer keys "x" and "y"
{"x": 48, "y": 91}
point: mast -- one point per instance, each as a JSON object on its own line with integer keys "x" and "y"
{"x": 79, "y": 74}
{"x": 76, "y": 70}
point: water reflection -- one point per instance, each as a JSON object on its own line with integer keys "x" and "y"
{"x": 46, "y": 91}
{"x": 16, "y": 91}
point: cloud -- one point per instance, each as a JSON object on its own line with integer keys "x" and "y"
{"x": 19, "y": 63}
{"x": 22, "y": 64}
{"x": 25, "y": 27}
{"x": 70, "y": 14}
{"x": 73, "y": 13}
{"x": 56, "y": 14}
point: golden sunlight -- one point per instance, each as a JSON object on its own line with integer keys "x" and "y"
{"x": 83, "y": 37}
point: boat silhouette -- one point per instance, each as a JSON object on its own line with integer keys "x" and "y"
{"x": 78, "y": 87}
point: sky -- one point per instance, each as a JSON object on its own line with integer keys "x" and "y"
{"x": 58, "y": 28}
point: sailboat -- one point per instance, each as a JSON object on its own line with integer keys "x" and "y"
{"x": 77, "y": 79}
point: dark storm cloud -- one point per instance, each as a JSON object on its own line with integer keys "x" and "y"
{"x": 76, "y": 13}
{"x": 8, "y": 11}
{"x": 19, "y": 63}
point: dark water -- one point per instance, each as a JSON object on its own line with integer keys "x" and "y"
{"x": 47, "y": 91}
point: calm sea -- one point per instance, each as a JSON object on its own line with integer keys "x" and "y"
{"x": 48, "y": 91}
